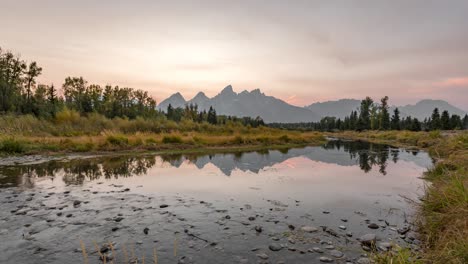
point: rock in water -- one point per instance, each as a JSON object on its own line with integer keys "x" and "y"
{"x": 275, "y": 247}
{"x": 309, "y": 229}
{"x": 336, "y": 253}
{"x": 368, "y": 239}
{"x": 373, "y": 226}
{"x": 326, "y": 259}
{"x": 146, "y": 230}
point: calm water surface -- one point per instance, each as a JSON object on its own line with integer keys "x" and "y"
{"x": 211, "y": 204}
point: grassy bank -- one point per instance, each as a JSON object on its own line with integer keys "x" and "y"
{"x": 175, "y": 142}
{"x": 443, "y": 214}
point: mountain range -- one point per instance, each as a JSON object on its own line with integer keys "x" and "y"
{"x": 271, "y": 109}
{"x": 253, "y": 103}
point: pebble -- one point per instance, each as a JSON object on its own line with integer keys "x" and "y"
{"x": 342, "y": 227}
{"x": 309, "y": 229}
{"x": 363, "y": 261}
{"x": 373, "y": 226}
{"x": 326, "y": 259}
{"x": 368, "y": 239}
{"x": 262, "y": 256}
{"x": 259, "y": 229}
{"x": 316, "y": 250}
{"x": 275, "y": 247}
{"x": 336, "y": 253}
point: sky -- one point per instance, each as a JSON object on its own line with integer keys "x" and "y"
{"x": 299, "y": 51}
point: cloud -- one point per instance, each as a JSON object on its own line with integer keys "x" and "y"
{"x": 453, "y": 82}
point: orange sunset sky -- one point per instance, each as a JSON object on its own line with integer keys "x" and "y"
{"x": 299, "y": 51}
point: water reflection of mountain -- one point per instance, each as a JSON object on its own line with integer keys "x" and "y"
{"x": 344, "y": 153}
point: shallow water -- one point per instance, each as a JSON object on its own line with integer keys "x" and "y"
{"x": 214, "y": 204}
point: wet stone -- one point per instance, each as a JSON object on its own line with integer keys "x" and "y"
{"x": 373, "y": 226}
{"x": 316, "y": 250}
{"x": 326, "y": 259}
{"x": 336, "y": 253}
{"x": 368, "y": 239}
{"x": 163, "y": 206}
{"x": 309, "y": 229}
{"x": 275, "y": 247}
{"x": 363, "y": 261}
{"x": 262, "y": 256}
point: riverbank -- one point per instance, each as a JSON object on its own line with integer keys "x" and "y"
{"x": 164, "y": 143}
{"x": 443, "y": 212}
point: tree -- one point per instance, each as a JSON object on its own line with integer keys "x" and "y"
{"x": 465, "y": 122}
{"x": 384, "y": 120}
{"x": 364, "y": 115}
{"x": 456, "y": 122}
{"x": 435, "y": 119}
{"x": 445, "y": 120}
{"x": 31, "y": 74}
{"x": 212, "y": 118}
{"x": 395, "y": 123}
{"x": 415, "y": 125}
{"x": 52, "y": 100}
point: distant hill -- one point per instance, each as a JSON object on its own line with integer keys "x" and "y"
{"x": 424, "y": 108}
{"x": 253, "y": 104}
{"x": 339, "y": 109}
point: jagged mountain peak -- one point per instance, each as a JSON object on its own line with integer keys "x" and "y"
{"x": 200, "y": 96}
{"x": 227, "y": 91}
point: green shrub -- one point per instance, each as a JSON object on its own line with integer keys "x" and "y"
{"x": 12, "y": 146}
{"x": 172, "y": 139}
{"x": 117, "y": 140}
{"x": 83, "y": 147}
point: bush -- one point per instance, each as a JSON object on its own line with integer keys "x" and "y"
{"x": 117, "y": 140}
{"x": 238, "y": 140}
{"x": 83, "y": 147}
{"x": 12, "y": 146}
{"x": 284, "y": 138}
{"x": 174, "y": 139}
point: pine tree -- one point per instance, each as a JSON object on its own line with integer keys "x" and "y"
{"x": 384, "y": 120}
{"x": 364, "y": 115}
{"x": 445, "y": 120}
{"x": 395, "y": 123}
{"x": 435, "y": 120}
{"x": 212, "y": 118}
{"x": 465, "y": 122}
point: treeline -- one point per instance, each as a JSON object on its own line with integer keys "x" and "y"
{"x": 376, "y": 116}
{"x": 20, "y": 94}
{"x": 192, "y": 113}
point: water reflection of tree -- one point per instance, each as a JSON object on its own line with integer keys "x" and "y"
{"x": 367, "y": 154}
{"x": 77, "y": 171}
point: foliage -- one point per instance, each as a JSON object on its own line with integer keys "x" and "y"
{"x": 373, "y": 116}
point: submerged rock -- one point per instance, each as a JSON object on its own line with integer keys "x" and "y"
{"x": 336, "y": 253}
{"x": 373, "y": 226}
{"x": 368, "y": 239}
{"x": 326, "y": 259}
{"x": 275, "y": 247}
{"x": 309, "y": 229}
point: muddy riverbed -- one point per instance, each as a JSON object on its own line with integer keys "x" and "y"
{"x": 331, "y": 203}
